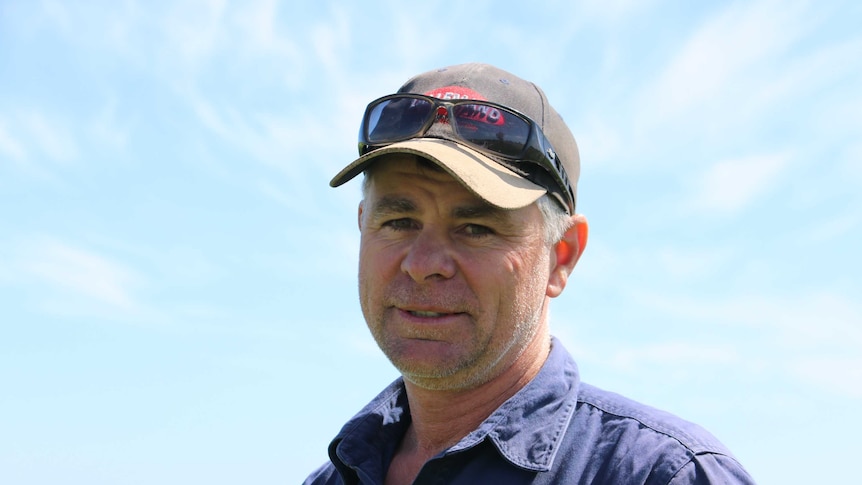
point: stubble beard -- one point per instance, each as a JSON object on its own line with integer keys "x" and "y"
{"x": 470, "y": 369}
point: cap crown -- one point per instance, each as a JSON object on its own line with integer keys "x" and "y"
{"x": 489, "y": 83}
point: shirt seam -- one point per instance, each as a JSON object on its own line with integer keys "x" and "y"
{"x": 692, "y": 444}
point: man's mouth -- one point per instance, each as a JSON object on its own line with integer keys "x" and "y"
{"x": 425, "y": 314}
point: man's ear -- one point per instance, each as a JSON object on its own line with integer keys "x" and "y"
{"x": 567, "y": 252}
{"x": 359, "y": 215}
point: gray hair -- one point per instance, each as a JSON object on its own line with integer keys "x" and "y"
{"x": 556, "y": 220}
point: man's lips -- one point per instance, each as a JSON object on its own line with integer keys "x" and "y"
{"x": 426, "y": 314}
{"x": 429, "y": 324}
{"x": 429, "y": 313}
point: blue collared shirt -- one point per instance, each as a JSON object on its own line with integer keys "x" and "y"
{"x": 556, "y": 430}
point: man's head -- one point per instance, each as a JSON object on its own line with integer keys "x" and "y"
{"x": 457, "y": 261}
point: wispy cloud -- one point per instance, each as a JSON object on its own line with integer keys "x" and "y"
{"x": 81, "y": 274}
{"x": 831, "y": 228}
{"x": 678, "y": 353}
{"x": 690, "y": 263}
{"x": 599, "y": 142}
{"x": 262, "y": 36}
{"x": 823, "y": 329}
{"x": 42, "y": 143}
{"x": 613, "y": 267}
{"x": 810, "y": 319}
{"x": 9, "y": 146}
{"x": 726, "y": 54}
{"x": 851, "y": 160}
{"x": 730, "y": 185}
{"x": 50, "y": 135}
{"x": 813, "y": 75}
{"x": 813, "y": 340}
{"x": 331, "y": 40}
{"x": 107, "y": 128}
{"x": 839, "y": 373}
{"x": 193, "y": 29}
{"x": 273, "y": 140}
{"x": 605, "y": 11}
{"x": 731, "y": 86}
{"x": 37, "y": 141}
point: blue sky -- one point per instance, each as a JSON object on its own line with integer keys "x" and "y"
{"x": 178, "y": 281}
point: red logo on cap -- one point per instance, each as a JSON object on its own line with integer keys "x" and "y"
{"x": 454, "y": 92}
{"x": 483, "y": 114}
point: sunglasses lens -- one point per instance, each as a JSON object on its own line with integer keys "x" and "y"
{"x": 396, "y": 119}
{"x": 492, "y": 128}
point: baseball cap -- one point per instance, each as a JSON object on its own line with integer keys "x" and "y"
{"x": 481, "y": 173}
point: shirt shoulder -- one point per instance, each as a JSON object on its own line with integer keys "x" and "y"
{"x": 634, "y": 443}
{"x": 620, "y": 410}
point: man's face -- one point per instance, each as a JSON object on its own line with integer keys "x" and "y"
{"x": 452, "y": 288}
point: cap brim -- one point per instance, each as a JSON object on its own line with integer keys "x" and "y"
{"x": 486, "y": 178}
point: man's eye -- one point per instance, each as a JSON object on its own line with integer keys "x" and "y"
{"x": 477, "y": 230}
{"x": 400, "y": 224}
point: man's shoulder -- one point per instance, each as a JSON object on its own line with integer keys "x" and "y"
{"x": 614, "y": 439}
{"x": 611, "y": 410}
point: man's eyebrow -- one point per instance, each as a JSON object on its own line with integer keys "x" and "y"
{"x": 481, "y": 211}
{"x": 392, "y": 205}
{"x": 395, "y": 205}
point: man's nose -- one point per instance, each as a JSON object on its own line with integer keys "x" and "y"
{"x": 429, "y": 256}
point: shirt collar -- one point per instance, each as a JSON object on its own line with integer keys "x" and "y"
{"x": 526, "y": 429}
{"x": 370, "y": 438}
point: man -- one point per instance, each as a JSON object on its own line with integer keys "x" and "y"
{"x": 468, "y": 229}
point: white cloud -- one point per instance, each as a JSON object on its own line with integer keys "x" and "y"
{"x": 686, "y": 263}
{"x": 602, "y": 264}
{"x": 331, "y": 40}
{"x": 724, "y": 52}
{"x": 815, "y": 336}
{"x": 257, "y": 23}
{"x": 841, "y": 374}
{"x": 107, "y": 130}
{"x": 193, "y": 29}
{"x": 257, "y": 32}
{"x": 833, "y": 228}
{"x": 34, "y": 139}
{"x": 273, "y": 140}
{"x": 51, "y": 136}
{"x": 82, "y": 274}
{"x": 730, "y": 185}
{"x": 599, "y": 143}
{"x": 806, "y": 320}
{"x": 816, "y": 74}
{"x": 673, "y": 353}
{"x": 609, "y": 11}
{"x": 57, "y": 13}
{"x": 615, "y": 267}
{"x": 9, "y": 146}
{"x": 851, "y": 162}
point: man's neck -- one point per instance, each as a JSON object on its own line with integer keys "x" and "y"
{"x": 442, "y": 418}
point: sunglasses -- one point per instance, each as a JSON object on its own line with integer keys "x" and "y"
{"x": 505, "y": 135}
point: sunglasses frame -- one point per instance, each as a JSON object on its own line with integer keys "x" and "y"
{"x": 537, "y": 152}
